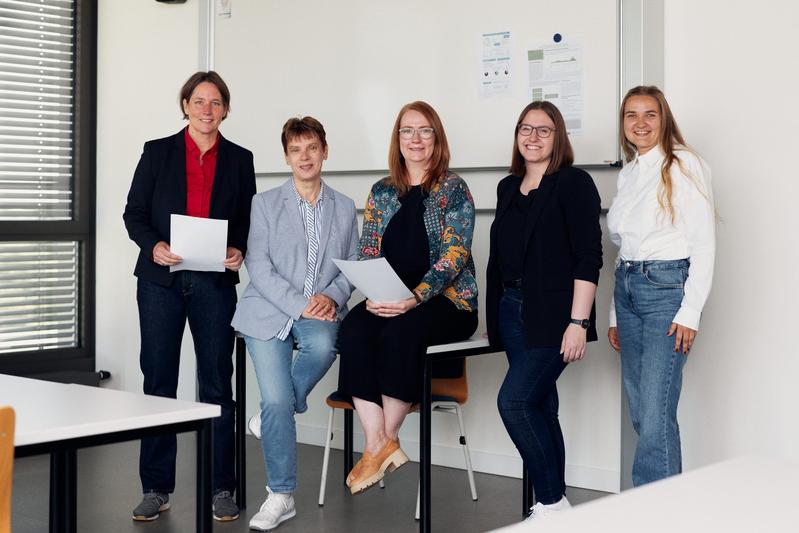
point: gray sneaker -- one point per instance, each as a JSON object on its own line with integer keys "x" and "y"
{"x": 225, "y": 509}
{"x": 151, "y": 506}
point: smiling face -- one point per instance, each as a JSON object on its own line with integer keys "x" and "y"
{"x": 642, "y": 122}
{"x": 533, "y": 148}
{"x": 416, "y": 151}
{"x": 305, "y": 155}
{"x": 206, "y": 109}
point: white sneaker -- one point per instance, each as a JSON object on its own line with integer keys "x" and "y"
{"x": 276, "y": 509}
{"x": 539, "y": 510}
{"x": 254, "y": 425}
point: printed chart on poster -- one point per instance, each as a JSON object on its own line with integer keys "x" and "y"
{"x": 354, "y": 64}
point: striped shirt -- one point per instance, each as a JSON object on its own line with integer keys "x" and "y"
{"x": 312, "y": 219}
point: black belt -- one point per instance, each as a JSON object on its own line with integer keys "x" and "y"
{"x": 512, "y": 284}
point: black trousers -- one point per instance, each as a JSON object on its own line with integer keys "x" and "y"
{"x": 384, "y": 356}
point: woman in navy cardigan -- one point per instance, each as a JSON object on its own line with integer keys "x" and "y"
{"x": 543, "y": 268}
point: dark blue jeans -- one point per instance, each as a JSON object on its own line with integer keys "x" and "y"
{"x": 162, "y": 318}
{"x": 528, "y": 402}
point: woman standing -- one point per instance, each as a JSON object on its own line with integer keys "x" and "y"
{"x": 662, "y": 219}
{"x": 543, "y": 269}
{"x": 421, "y": 219}
{"x": 196, "y": 172}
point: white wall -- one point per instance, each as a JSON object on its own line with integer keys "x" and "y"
{"x": 731, "y": 72}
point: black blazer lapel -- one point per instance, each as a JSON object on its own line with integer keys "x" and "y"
{"x": 542, "y": 197}
{"x": 176, "y": 170}
{"x": 220, "y": 188}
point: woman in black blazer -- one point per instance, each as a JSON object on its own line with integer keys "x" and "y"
{"x": 195, "y": 172}
{"x": 543, "y": 267}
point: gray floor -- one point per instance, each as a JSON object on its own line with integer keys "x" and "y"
{"x": 108, "y": 488}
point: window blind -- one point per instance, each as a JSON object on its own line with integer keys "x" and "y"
{"x": 36, "y": 109}
{"x": 38, "y": 295}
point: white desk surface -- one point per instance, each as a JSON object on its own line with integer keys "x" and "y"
{"x": 748, "y": 494}
{"x": 47, "y": 412}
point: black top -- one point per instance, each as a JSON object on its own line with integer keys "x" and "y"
{"x": 510, "y": 228}
{"x": 404, "y": 243}
{"x": 562, "y": 242}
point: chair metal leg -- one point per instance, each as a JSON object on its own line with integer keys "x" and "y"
{"x": 466, "y": 455}
{"x": 416, "y": 516}
{"x": 326, "y": 460}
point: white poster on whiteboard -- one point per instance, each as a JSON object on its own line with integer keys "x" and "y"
{"x": 556, "y": 75}
{"x": 495, "y": 64}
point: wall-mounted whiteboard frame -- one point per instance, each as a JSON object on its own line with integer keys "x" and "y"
{"x": 354, "y": 64}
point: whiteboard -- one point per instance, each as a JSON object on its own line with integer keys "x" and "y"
{"x": 353, "y": 64}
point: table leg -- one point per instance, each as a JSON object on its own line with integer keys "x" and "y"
{"x": 241, "y": 409}
{"x": 204, "y": 470}
{"x": 424, "y": 449}
{"x": 348, "y": 429}
{"x": 63, "y": 491}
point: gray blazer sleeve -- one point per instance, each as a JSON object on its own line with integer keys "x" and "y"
{"x": 263, "y": 276}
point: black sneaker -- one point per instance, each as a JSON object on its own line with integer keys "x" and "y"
{"x": 151, "y": 506}
{"x": 225, "y": 509}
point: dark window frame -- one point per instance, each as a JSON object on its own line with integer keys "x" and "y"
{"x": 82, "y": 227}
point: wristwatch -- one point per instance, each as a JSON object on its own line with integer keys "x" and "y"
{"x": 584, "y": 323}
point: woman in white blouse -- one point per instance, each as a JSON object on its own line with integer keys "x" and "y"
{"x": 662, "y": 219}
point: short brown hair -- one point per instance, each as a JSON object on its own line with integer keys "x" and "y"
{"x": 562, "y": 152}
{"x": 302, "y": 127}
{"x": 201, "y": 77}
{"x": 398, "y": 173}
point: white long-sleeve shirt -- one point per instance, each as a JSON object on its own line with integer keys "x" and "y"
{"x": 644, "y": 231}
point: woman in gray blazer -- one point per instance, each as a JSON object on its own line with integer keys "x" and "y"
{"x": 296, "y": 296}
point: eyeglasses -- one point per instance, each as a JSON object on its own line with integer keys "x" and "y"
{"x": 424, "y": 133}
{"x": 542, "y": 131}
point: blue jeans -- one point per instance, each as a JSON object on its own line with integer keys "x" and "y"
{"x": 163, "y": 312}
{"x": 285, "y": 382}
{"x": 528, "y": 402}
{"x": 648, "y": 295}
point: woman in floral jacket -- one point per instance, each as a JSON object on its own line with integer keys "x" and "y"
{"x": 421, "y": 219}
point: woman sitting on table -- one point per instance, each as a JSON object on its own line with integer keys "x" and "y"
{"x": 663, "y": 221}
{"x": 421, "y": 219}
{"x": 543, "y": 269}
{"x": 296, "y": 296}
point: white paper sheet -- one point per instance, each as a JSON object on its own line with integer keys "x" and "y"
{"x": 201, "y": 242}
{"x": 375, "y": 279}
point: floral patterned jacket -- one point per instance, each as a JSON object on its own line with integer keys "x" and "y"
{"x": 449, "y": 220}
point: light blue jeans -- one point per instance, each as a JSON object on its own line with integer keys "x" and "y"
{"x": 285, "y": 381}
{"x": 648, "y": 295}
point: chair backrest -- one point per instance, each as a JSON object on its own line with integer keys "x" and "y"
{"x": 457, "y": 388}
{"x": 6, "y": 466}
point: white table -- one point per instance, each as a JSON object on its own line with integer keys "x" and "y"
{"x": 58, "y": 419}
{"x": 748, "y": 494}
